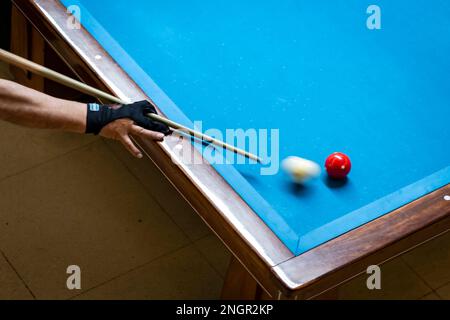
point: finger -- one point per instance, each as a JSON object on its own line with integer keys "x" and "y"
{"x": 162, "y": 128}
{"x": 153, "y": 135}
{"x": 157, "y": 126}
{"x": 129, "y": 145}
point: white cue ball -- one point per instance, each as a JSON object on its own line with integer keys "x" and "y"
{"x": 300, "y": 170}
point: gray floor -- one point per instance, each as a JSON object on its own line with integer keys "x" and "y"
{"x": 70, "y": 199}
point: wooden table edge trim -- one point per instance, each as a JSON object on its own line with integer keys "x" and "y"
{"x": 419, "y": 230}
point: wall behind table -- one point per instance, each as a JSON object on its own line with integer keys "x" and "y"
{"x": 5, "y": 23}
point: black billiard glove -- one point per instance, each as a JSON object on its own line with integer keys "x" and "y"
{"x": 98, "y": 116}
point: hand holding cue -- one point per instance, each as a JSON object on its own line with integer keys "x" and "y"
{"x": 28, "y": 65}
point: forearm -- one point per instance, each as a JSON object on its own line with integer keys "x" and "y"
{"x": 30, "y": 108}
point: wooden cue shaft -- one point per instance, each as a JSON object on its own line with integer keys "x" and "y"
{"x": 23, "y": 63}
{"x": 55, "y": 76}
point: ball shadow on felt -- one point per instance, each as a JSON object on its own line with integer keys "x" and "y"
{"x": 336, "y": 183}
{"x": 299, "y": 189}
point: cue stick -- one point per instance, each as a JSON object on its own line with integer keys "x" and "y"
{"x": 40, "y": 70}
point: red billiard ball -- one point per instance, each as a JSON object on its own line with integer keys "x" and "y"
{"x": 338, "y": 165}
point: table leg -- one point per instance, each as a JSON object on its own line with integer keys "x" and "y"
{"x": 239, "y": 284}
{"x": 26, "y": 42}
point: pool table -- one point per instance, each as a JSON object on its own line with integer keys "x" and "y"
{"x": 320, "y": 77}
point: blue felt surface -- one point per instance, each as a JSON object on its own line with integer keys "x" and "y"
{"x": 313, "y": 70}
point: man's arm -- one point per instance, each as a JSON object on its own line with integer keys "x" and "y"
{"x": 30, "y": 108}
